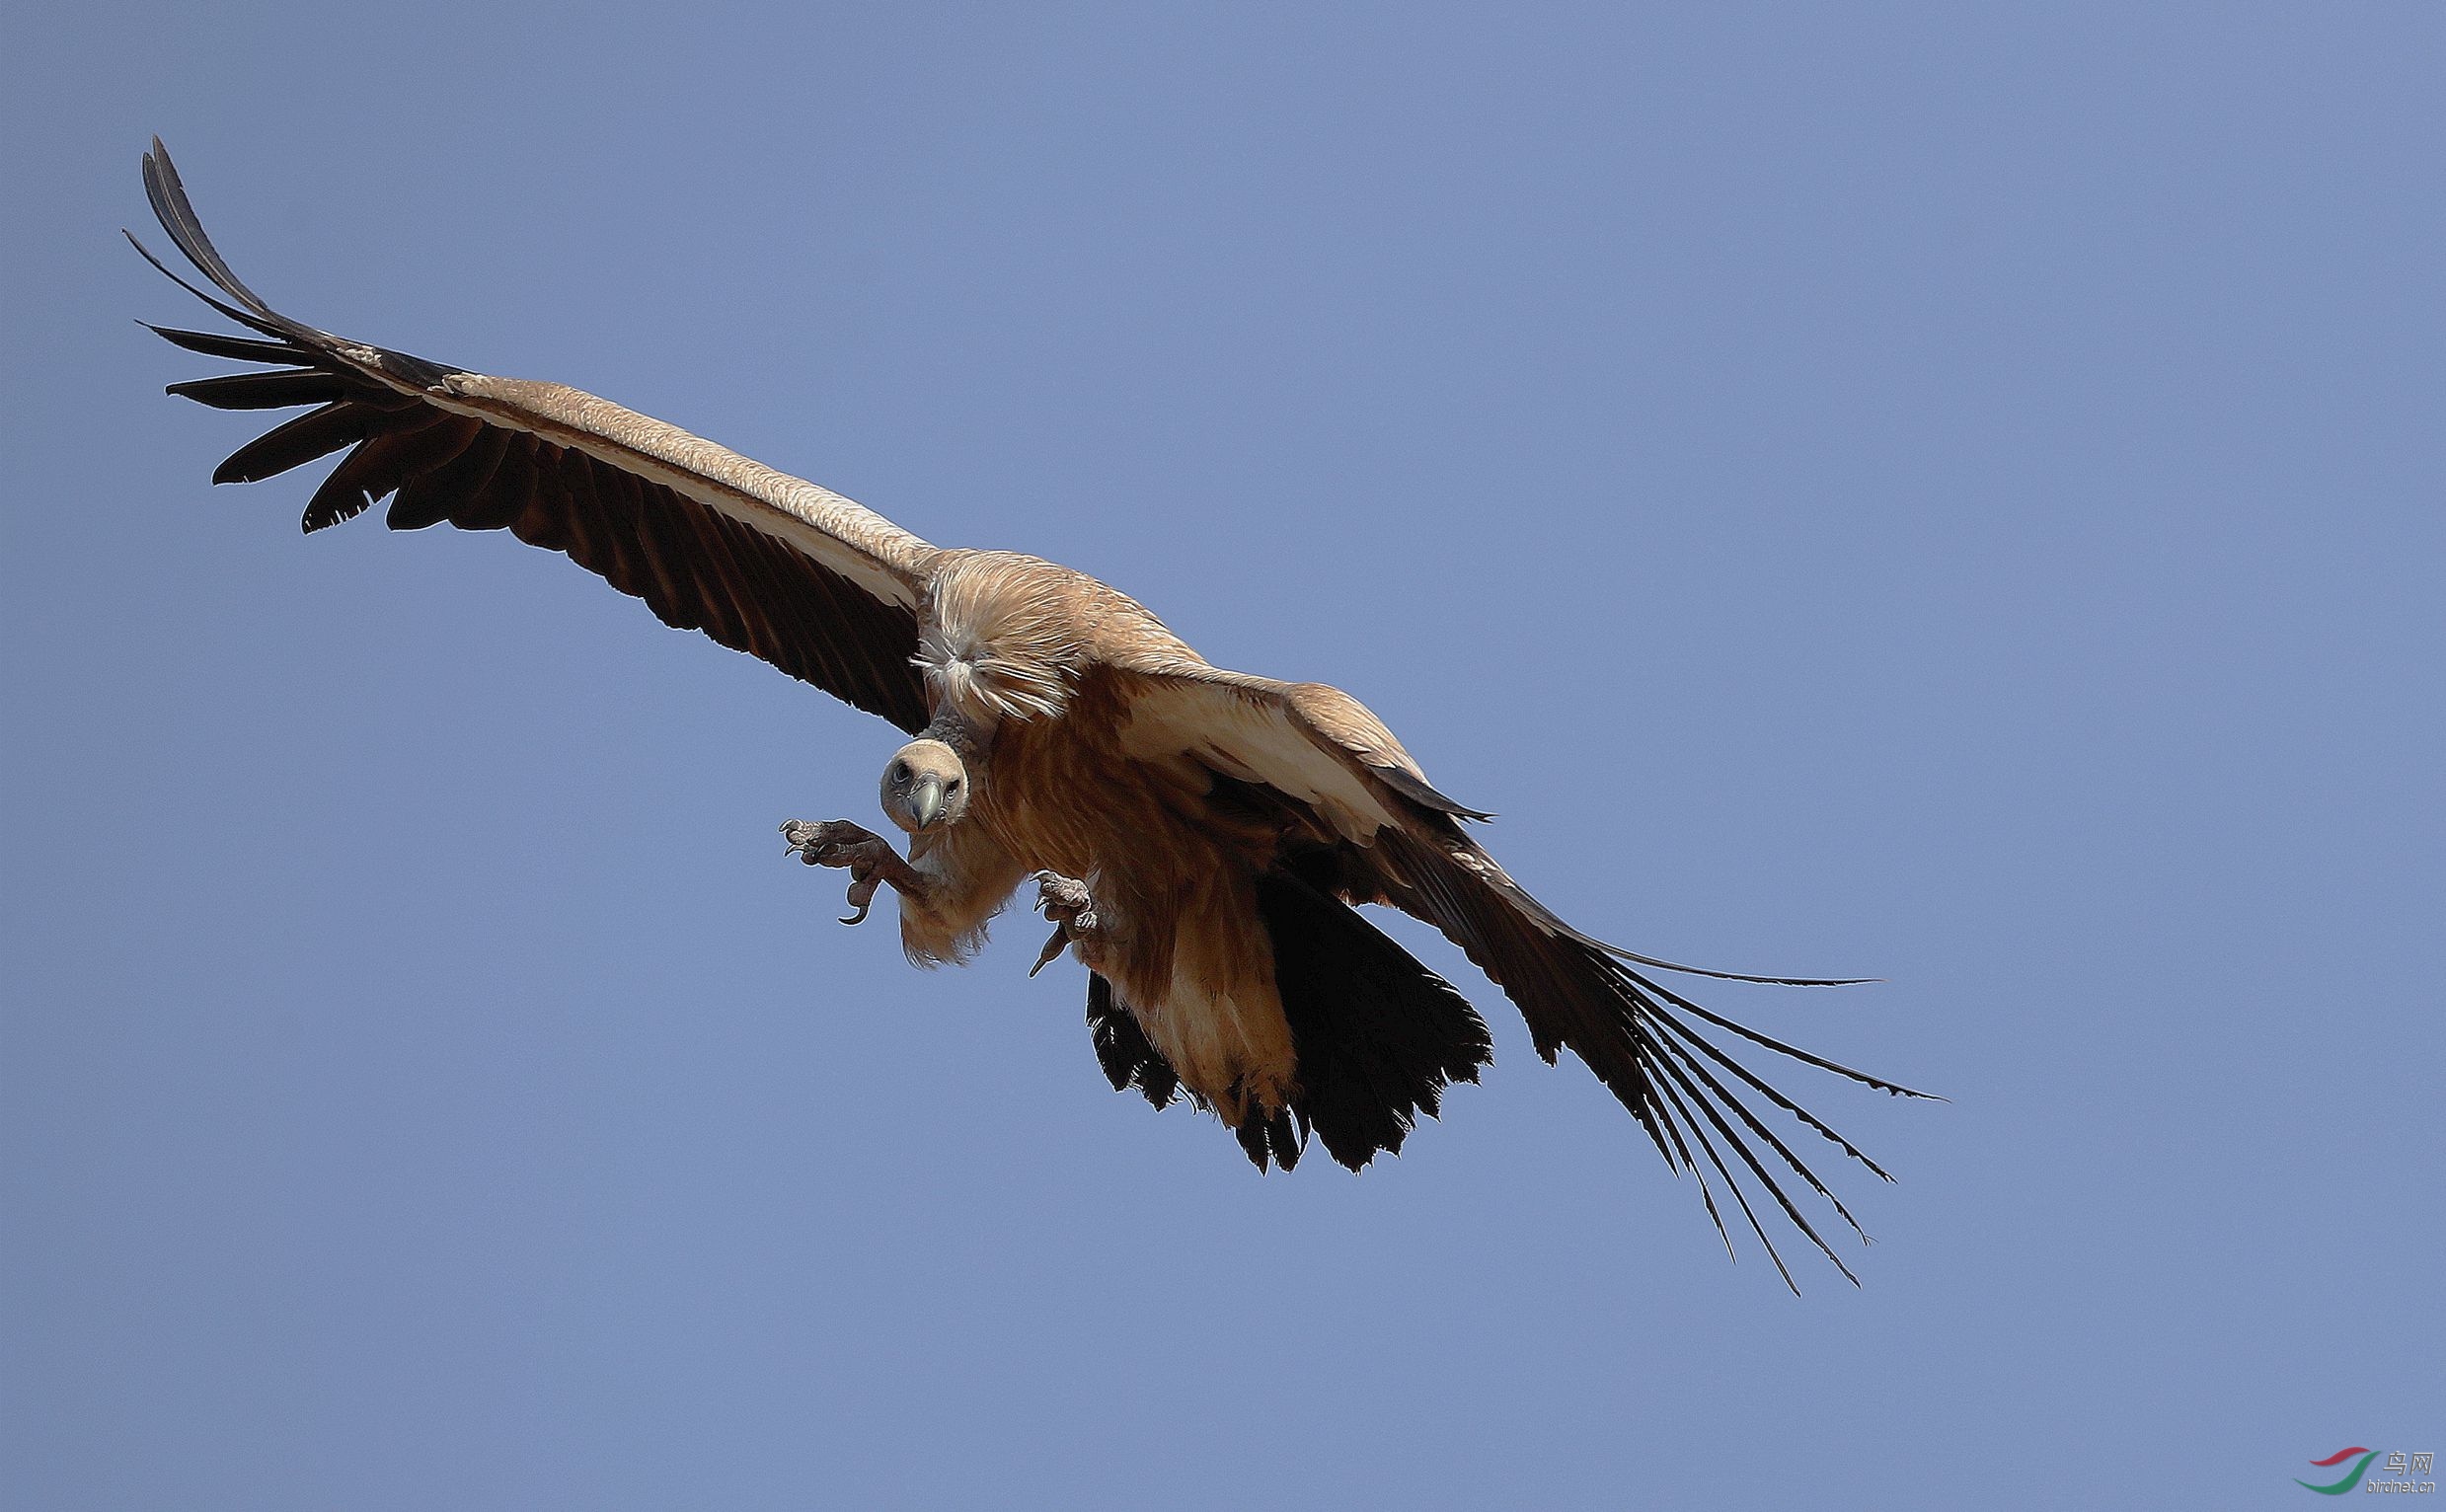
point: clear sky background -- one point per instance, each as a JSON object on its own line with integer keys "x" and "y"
{"x": 1943, "y": 493}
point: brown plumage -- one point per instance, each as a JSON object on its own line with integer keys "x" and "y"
{"x": 1200, "y": 835}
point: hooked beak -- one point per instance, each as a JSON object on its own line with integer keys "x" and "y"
{"x": 926, "y": 800}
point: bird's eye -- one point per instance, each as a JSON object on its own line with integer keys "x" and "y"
{"x": 952, "y": 785}
{"x": 899, "y": 770}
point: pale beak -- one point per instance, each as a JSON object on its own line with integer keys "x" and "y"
{"x": 926, "y": 800}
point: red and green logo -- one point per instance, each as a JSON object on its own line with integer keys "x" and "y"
{"x": 2351, "y": 1478}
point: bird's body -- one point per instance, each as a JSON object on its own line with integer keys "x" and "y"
{"x": 1021, "y": 661}
{"x": 1201, "y": 837}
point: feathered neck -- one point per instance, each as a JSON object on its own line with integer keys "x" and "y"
{"x": 999, "y": 640}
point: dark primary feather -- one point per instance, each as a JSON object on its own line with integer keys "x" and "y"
{"x": 295, "y": 443}
{"x": 168, "y": 196}
{"x": 282, "y": 390}
{"x": 213, "y": 344}
{"x": 376, "y": 469}
{"x": 695, "y": 568}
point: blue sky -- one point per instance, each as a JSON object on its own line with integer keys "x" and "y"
{"x": 1939, "y": 494}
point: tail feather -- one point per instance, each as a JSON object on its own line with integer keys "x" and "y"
{"x": 1129, "y": 1059}
{"x": 1378, "y": 1037}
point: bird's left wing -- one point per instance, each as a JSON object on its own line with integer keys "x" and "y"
{"x": 764, "y": 562}
{"x": 1361, "y": 818}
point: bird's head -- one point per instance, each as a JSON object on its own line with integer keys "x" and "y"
{"x": 926, "y": 788}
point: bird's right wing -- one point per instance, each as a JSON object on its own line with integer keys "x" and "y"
{"x": 1360, "y": 820}
{"x": 764, "y": 562}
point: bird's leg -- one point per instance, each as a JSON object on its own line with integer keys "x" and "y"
{"x": 868, "y": 858}
{"x": 1072, "y": 908}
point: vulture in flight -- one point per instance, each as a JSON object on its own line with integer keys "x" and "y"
{"x": 1198, "y": 838}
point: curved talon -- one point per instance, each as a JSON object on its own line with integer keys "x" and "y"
{"x": 861, "y": 897}
{"x": 1052, "y": 949}
{"x": 1072, "y": 908}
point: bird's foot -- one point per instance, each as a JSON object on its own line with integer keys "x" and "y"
{"x": 1072, "y": 908}
{"x": 869, "y": 859}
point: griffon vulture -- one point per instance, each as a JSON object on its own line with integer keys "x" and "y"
{"x": 1198, "y": 837}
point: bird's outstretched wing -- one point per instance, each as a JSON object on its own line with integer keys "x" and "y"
{"x": 1359, "y": 819}
{"x": 762, "y": 562}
